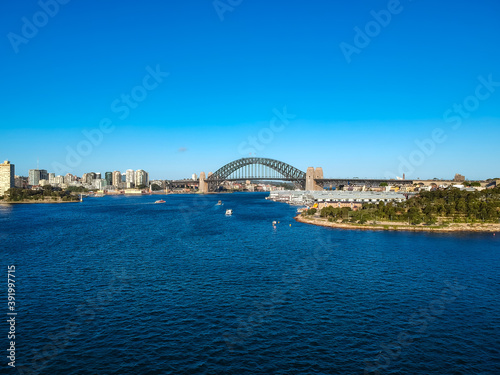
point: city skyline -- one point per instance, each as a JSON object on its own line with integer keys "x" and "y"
{"x": 368, "y": 89}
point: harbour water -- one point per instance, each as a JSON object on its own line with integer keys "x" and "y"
{"x": 121, "y": 285}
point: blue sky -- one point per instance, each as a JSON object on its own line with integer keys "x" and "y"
{"x": 264, "y": 78}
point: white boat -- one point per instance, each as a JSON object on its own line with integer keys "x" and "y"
{"x": 229, "y": 212}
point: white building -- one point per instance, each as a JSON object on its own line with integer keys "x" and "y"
{"x": 6, "y": 176}
{"x": 130, "y": 178}
{"x": 117, "y": 178}
{"x": 141, "y": 178}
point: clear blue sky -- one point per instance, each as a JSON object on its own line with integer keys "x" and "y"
{"x": 230, "y": 72}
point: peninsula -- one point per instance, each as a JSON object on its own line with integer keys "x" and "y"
{"x": 450, "y": 210}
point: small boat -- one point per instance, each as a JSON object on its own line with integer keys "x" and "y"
{"x": 229, "y": 212}
{"x": 219, "y": 203}
{"x": 160, "y": 201}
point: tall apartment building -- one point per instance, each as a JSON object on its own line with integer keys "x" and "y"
{"x": 130, "y": 176}
{"x": 117, "y": 178}
{"x": 109, "y": 178}
{"x": 69, "y": 178}
{"x": 35, "y": 175}
{"x": 141, "y": 178}
{"x": 6, "y": 176}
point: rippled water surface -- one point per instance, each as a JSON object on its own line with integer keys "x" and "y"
{"x": 120, "y": 285}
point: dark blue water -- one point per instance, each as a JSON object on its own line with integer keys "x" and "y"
{"x": 120, "y": 285}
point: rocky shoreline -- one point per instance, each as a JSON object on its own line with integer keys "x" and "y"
{"x": 37, "y": 202}
{"x": 487, "y": 228}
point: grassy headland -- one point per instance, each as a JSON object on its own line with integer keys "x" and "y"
{"x": 440, "y": 210}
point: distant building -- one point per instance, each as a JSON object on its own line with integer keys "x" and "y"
{"x": 58, "y": 180}
{"x": 459, "y": 178}
{"x": 109, "y": 178}
{"x": 7, "y": 173}
{"x": 88, "y": 178}
{"x": 117, "y": 178}
{"x": 194, "y": 177}
{"x": 21, "y": 182}
{"x": 35, "y": 175}
{"x": 69, "y": 178}
{"x": 130, "y": 178}
{"x": 141, "y": 178}
{"x": 52, "y": 176}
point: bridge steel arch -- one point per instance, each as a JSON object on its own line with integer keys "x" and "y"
{"x": 288, "y": 172}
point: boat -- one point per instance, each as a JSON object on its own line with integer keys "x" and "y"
{"x": 229, "y": 212}
{"x": 219, "y": 203}
{"x": 160, "y": 201}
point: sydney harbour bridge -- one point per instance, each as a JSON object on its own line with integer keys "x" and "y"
{"x": 264, "y": 169}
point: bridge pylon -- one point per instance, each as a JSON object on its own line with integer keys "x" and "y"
{"x": 312, "y": 175}
{"x": 203, "y": 186}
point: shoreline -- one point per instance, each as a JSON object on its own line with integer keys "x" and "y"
{"x": 465, "y": 228}
{"x": 39, "y": 202}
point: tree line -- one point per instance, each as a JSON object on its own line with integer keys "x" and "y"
{"x": 450, "y": 205}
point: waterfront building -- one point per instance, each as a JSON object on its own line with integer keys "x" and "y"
{"x": 98, "y": 183}
{"x": 350, "y": 199}
{"x": 109, "y": 178}
{"x": 35, "y": 175}
{"x": 130, "y": 178}
{"x": 141, "y": 178}
{"x": 7, "y": 174}
{"x": 117, "y": 178}
{"x": 52, "y": 176}
{"x": 194, "y": 177}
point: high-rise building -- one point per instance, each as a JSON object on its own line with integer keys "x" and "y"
{"x": 52, "y": 176}
{"x": 141, "y": 178}
{"x": 87, "y": 178}
{"x": 35, "y": 175}
{"x": 130, "y": 176}
{"x": 109, "y": 178}
{"x": 21, "y": 182}
{"x": 117, "y": 178}
{"x": 7, "y": 171}
{"x": 69, "y": 178}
